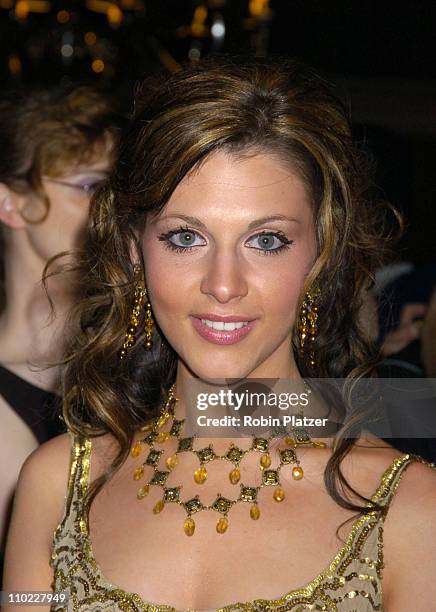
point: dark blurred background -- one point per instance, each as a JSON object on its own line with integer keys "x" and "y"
{"x": 380, "y": 56}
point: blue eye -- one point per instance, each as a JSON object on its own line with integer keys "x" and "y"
{"x": 267, "y": 239}
{"x": 187, "y": 237}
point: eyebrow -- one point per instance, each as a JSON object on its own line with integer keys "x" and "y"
{"x": 252, "y": 225}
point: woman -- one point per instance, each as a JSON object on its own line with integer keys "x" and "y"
{"x": 239, "y": 195}
{"x": 57, "y": 147}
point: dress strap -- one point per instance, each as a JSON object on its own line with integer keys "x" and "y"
{"x": 78, "y": 480}
{"x": 80, "y": 464}
{"x": 392, "y": 476}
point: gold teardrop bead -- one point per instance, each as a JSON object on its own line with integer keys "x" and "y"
{"x": 200, "y": 475}
{"x": 163, "y": 436}
{"x": 235, "y": 476}
{"x": 143, "y": 491}
{"x": 138, "y": 473}
{"x": 159, "y": 506}
{"x": 222, "y": 525}
{"x": 136, "y": 449}
{"x": 171, "y": 462}
{"x": 279, "y": 495}
{"x": 254, "y": 512}
{"x": 147, "y": 427}
{"x": 297, "y": 473}
{"x": 290, "y": 441}
{"x": 189, "y": 526}
{"x": 265, "y": 461}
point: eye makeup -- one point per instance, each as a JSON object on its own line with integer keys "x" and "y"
{"x": 276, "y": 234}
{"x": 89, "y": 184}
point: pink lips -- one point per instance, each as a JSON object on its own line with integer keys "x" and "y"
{"x": 221, "y": 336}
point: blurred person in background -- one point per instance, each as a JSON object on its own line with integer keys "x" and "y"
{"x": 403, "y": 305}
{"x": 400, "y": 316}
{"x": 428, "y": 337}
{"x": 57, "y": 147}
{"x": 407, "y": 336}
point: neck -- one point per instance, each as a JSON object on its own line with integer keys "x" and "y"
{"x": 30, "y": 336}
{"x": 187, "y": 387}
{"x": 283, "y": 368}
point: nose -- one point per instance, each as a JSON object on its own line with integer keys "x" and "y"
{"x": 224, "y": 279}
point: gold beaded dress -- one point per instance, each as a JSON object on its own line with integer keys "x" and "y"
{"x": 350, "y": 583}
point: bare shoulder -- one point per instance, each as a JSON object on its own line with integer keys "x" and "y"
{"x": 409, "y": 541}
{"x": 409, "y": 528}
{"x": 17, "y": 441}
{"x": 37, "y": 508}
{"x": 414, "y": 498}
{"x": 52, "y": 455}
{"x": 43, "y": 479}
{"x": 55, "y": 457}
{"x": 46, "y": 471}
{"x": 366, "y": 463}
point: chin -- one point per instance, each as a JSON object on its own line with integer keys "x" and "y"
{"x": 221, "y": 379}
{"x": 220, "y": 375}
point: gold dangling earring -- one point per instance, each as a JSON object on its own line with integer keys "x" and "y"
{"x": 138, "y": 301}
{"x": 308, "y": 324}
{"x": 148, "y": 325}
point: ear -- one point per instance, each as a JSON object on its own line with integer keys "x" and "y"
{"x": 133, "y": 253}
{"x": 9, "y": 208}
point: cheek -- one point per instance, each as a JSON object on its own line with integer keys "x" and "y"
{"x": 63, "y": 229}
{"x": 163, "y": 280}
{"x": 72, "y": 211}
{"x": 282, "y": 281}
{"x": 280, "y": 294}
{"x": 68, "y": 219}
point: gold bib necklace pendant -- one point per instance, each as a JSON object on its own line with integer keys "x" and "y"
{"x": 222, "y": 505}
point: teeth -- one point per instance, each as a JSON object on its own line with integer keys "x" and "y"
{"x": 221, "y": 326}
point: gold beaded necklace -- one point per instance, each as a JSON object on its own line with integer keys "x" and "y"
{"x": 222, "y": 505}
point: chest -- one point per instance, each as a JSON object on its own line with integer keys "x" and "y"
{"x": 286, "y": 547}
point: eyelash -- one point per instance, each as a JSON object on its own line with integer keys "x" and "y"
{"x": 165, "y": 238}
{"x": 89, "y": 186}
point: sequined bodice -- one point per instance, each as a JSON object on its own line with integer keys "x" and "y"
{"x": 350, "y": 583}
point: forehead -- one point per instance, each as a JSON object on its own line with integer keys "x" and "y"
{"x": 227, "y": 184}
{"x": 80, "y": 157}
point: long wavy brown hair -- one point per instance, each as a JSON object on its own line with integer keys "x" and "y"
{"x": 278, "y": 106}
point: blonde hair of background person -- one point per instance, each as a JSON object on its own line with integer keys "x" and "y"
{"x": 57, "y": 147}
{"x": 227, "y": 143}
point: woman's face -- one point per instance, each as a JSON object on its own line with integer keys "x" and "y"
{"x": 69, "y": 197}
{"x": 240, "y": 264}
